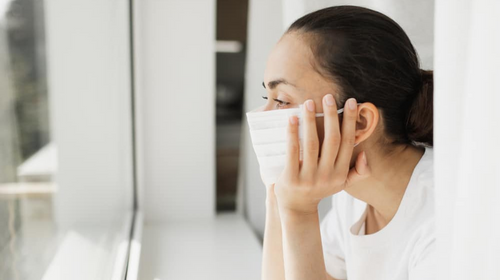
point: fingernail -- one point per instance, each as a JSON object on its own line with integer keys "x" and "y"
{"x": 293, "y": 120}
{"x": 364, "y": 158}
{"x": 329, "y": 100}
{"x": 310, "y": 105}
{"x": 351, "y": 103}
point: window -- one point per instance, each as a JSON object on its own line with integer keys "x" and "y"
{"x": 66, "y": 186}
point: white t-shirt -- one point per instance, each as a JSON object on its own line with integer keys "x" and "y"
{"x": 403, "y": 249}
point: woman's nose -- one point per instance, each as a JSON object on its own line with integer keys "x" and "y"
{"x": 268, "y": 107}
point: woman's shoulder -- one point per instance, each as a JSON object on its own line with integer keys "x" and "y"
{"x": 423, "y": 181}
{"x": 426, "y": 168}
{"x": 419, "y": 204}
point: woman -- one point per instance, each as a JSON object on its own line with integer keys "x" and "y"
{"x": 375, "y": 158}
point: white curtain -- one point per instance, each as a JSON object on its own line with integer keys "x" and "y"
{"x": 466, "y": 125}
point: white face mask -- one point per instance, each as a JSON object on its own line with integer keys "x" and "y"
{"x": 268, "y": 131}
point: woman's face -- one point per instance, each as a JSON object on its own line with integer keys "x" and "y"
{"x": 290, "y": 78}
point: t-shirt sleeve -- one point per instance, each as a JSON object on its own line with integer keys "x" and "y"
{"x": 331, "y": 238}
{"x": 423, "y": 259}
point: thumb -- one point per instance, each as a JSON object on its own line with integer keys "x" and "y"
{"x": 360, "y": 171}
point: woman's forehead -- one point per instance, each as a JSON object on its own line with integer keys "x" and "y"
{"x": 292, "y": 60}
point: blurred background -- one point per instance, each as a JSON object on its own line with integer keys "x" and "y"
{"x": 124, "y": 151}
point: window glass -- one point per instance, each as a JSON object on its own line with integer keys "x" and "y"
{"x": 35, "y": 242}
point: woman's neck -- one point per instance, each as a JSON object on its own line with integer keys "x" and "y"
{"x": 385, "y": 188}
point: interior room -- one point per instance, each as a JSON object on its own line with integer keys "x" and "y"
{"x": 153, "y": 140}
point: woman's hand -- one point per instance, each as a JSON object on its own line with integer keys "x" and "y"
{"x": 302, "y": 185}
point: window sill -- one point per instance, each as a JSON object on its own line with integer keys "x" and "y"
{"x": 222, "y": 248}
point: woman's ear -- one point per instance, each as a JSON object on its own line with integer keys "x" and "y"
{"x": 367, "y": 121}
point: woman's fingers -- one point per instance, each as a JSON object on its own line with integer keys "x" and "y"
{"x": 293, "y": 151}
{"x": 348, "y": 136}
{"x": 332, "y": 138}
{"x": 310, "y": 139}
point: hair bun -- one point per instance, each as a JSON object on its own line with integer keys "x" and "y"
{"x": 419, "y": 124}
{"x": 427, "y": 76}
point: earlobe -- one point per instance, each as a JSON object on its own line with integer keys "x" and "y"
{"x": 368, "y": 118}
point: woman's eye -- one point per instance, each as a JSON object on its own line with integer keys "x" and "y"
{"x": 279, "y": 103}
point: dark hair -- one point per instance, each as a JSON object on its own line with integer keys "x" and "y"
{"x": 372, "y": 59}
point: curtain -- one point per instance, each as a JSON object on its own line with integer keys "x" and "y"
{"x": 466, "y": 125}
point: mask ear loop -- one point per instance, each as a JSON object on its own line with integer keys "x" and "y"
{"x": 339, "y": 111}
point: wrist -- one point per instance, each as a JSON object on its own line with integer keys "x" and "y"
{"x": 270, "y": 196}
{"x": 294, "y": 217}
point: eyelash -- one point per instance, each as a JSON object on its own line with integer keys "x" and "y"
{"x": 280, "y": 103}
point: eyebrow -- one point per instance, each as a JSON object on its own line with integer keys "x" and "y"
{"x": 273, "y": 84}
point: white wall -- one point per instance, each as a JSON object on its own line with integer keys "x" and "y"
{"x": 175, "y": 98}
{"x": 89, "y": 102}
